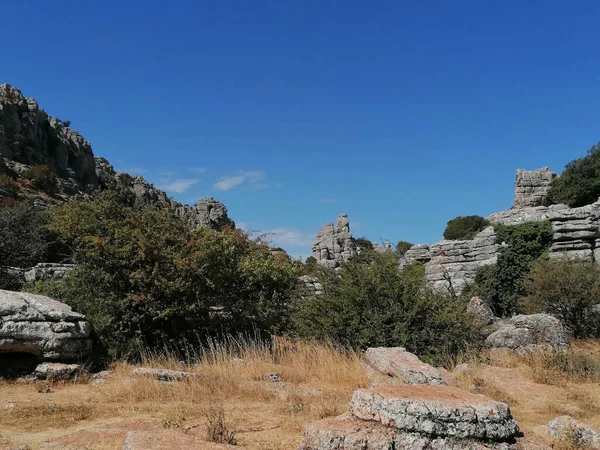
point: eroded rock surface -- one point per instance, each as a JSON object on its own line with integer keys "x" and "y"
{"x": 529, "y": 333}
{"x": 334, "y": 243}
{"x": 577, "y": 433}
{"x": 397, "y": 362}
{"x": 531, "y": 187}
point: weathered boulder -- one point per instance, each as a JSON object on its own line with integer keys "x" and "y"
{"x": 54, "y": 371}
{"x": 441, "y": 411}
{"x": 47, "y": 271}
{"x": 529, "y": 333}
{"x": 35, "y": 328}
{"x": 531, "y": 187}
{"x": 397, "y": 362}
{"x": 349, "y": 433}
{"x": 577, "y": 433}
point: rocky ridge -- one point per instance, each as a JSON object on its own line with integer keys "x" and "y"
{"x": 29, "y": 137}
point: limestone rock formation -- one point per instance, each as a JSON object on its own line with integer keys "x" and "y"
{"x": 529, "y": 333}
{"x": 30, "y": 137}
{"x": 47, "y": 271}
{"x": 415, "y": 417}
{"x": 453, "y": 264}
{"x": 397, "y": 362}
{"x": 35, "y": 328}
{"x": 531, "y": 187}
{"x": 310, "y": 286}
{"x": 334, "y": 243}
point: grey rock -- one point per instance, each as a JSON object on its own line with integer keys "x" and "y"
{"x": 441, "y": 411}
{"x": 47, "y": 271}
{"x": 578, "y": 433}
{"x": 334, "y": 244}
{"x": 43, "y": 327}
{"x": 397, "y": 362}
{"x": 310, "y": 286}
{"x": 164, "y": 374}
{"x": 54, "y": 371}
{"x": 529, "y": 333}
{"x": 531, "y": 187}
{"x": 349, "y": 433}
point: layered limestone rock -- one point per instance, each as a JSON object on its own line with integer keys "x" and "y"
{"x": 397, "y": 362}
{"x": 47, "y": 271}
{"x": 531, "y": 187}
{"x": 529, "y": 333}
{"x": 41, "y": 328}
{"x": 334, "y": 244}
{"x": 453, "y": 264}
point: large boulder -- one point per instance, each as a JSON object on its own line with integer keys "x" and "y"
{"x": 442, "y": 411}
{"x": 397, "y": 362}
{"x": 34, "y": 329}
{"x": 529, "y": 333}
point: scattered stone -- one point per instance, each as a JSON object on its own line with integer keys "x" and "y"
{"x": 529, "y": 333}
{"x": 443, "y": 411}
{"x": 57, "y": 371}
{"x": 578, "y": 433}
{"x": 349, "y": 433}
{"x": 275, "y": 377}
{"x": 164, "y": 374}
{"x": 169, "y": 440}
{"x": 397, "y": 362}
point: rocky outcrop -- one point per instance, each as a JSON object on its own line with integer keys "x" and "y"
{"x": 453, "y": 264}
{"x": 397, "y": 362}
{"x": 47, "y": 271}
{"x": 531, "y": 187}
{"x": 415, "y": 417}
{"x": 34, "y": 329}
{"x": 310, "y": 286}
{"x": 529, "y": 333}
{"x": 30, "y": 137}
{"x": 578, "y": 434}
{"x": 334, "y": 243}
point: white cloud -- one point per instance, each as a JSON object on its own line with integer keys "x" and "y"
{"x": 288, "y": 236}
{"x": 177, "y": 185}
{"x": 250, "y": 179}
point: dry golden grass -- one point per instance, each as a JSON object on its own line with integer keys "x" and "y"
{"x": 228, "y": 396}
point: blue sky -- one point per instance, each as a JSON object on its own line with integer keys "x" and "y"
{"x": 401, "y": 114}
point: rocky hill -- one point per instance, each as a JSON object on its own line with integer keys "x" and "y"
{"x": 31, "y": 139}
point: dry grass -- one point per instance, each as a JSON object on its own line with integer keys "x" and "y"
{"x": 228, "y": 398}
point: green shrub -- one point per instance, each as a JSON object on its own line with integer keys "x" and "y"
{"x": 501, "y": 285}
{"x": 143, "y": 279}
{"x": 569, "y": 290}
{"x": 464, "y": 227}
{"x": 579, "y": 184}
{"x": 402, "y": 247}
{"x": 42, "y": 178}
{"x": 8, "y": 185}
{"x": 369, "y": 302}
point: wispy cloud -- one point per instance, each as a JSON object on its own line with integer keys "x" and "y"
{"x": 288, "y": 236}
{"x": 328, "y": 200}
{"x": 177, "y": 185}
{"x": 249, "y": 179}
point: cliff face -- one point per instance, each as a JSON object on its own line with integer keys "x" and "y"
{"x": 30, "y": 137}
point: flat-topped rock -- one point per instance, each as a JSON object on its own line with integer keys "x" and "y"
{"x": 44, "y": 328}
{"x": 443, "y": 411}
{"x": 349, "y": 433}
{"x": 397, "y": 362}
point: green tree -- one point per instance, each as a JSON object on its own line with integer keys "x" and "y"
{"x": 579, "y": 184}
{"x": 143, "y": 279}
{"x": 569, "y": 290}
{"x": 402, "y": 247}
{"x": 464, "y": 227}
{"x": 369, "y": 302}
{"x": 501, "y": 285}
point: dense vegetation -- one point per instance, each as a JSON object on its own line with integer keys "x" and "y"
{"x": 501, "y": 285}
{"x": 402, "y": 247}
{"x": 143, "y": 279}
{"x": 579, "y": 184}
{"x": 464, "y": 227}
{"x": 569, "y": 290}
{"x": 369, "y": 302}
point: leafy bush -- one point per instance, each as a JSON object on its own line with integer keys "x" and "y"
{"x": 464, "y": 227}
{"x": 42, "y": 178}
{"x": 144, "y": 279}
{"x": 579, "y": 184}
{"x": 8, "y": 185}
{"x": 402, "y": 247}
{"x": 22, "y": 240}
{"x": 501, "y": 285}
{"x": 569, "y": 290}
{"x": 369, "y": 302}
